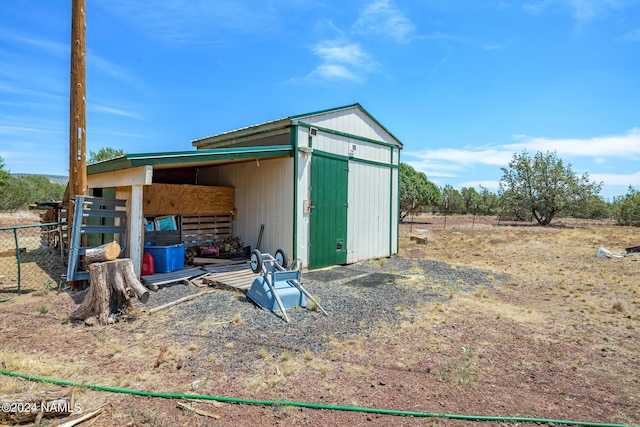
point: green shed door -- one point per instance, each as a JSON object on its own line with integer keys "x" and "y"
{"x": 329, "y": 186}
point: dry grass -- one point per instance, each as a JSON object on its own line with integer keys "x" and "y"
{"x": 563, "y": 324}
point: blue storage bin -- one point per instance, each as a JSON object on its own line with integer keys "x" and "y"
{"x": 166, "y": 258}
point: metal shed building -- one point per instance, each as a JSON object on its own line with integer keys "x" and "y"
{"x": 324, "y": 184}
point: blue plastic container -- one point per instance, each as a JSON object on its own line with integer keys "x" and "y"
{"x": 166, "y": 258}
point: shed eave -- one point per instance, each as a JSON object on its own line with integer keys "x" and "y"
{"x": 190, "y": 158}
{"x": 271, "y": 127}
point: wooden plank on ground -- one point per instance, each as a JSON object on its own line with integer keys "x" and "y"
{"x": 237, "y": 280}
{"x": 173, "y": 277}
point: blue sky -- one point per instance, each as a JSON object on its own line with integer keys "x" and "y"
{"x": 463, "y": 84}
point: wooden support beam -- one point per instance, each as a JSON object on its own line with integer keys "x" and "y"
{"x": 77, "y": 110}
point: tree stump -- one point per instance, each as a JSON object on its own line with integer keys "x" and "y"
{"x": 112, "y": 284}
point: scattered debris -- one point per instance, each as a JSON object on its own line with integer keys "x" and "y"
{"x": 605, "y": 253}
{"x": 85, "y": 417}
{"x": 159, "y": 359}
{"x": 24, "y": 408}
{"x": 421, "y": 240}
{"x": 198, "y": 411}
{"x": 633, "y": 250}
{"x": 181, "y": 300}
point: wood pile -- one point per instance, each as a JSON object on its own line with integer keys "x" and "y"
{"x": 223, "y": 248}
{"x": 230, "y": 245}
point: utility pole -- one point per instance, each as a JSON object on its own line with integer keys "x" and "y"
{"x": 77, "y": 113}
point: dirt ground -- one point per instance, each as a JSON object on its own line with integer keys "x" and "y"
{"x": 553, "y": 334}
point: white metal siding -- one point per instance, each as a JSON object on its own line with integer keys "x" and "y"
{"x": 372, "y": 218}
{"x": 395, "y": 213}
{"x": 303, "y": 218}
{"x": 353, "y": 121}
{"x": 263, "y": 195}
{"x": 345, "y": 146}
{"x": 369, "y": 211}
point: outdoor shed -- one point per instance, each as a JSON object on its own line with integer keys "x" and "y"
{"x": 324, "y": 185}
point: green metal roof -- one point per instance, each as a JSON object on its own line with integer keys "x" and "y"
{"x": 189, "y": 158}
{"x": 280, "y": 125}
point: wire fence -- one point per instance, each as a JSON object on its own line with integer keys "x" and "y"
{"x": 31, "y": 257}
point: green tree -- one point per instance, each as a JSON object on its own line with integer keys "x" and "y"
{"x": 452, "y": 201}
{"x": 544, "y": 186}
{"x": 416, "y": 191}
{"x": 627, "y": 208}
{"x": 471, "y": 199}
{"x": 20, "y": 192}
{"x": 103, "y": 154}
{"x": 595, "y": 207}
{"x": 4, "y": 174}
{"x": 489, "y": 202}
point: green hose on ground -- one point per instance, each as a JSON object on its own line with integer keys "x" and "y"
{"x": 311, "y": 405}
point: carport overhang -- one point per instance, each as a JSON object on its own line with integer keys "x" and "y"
{"x": 136, "y": 170}
{"x": 192, "y": 158}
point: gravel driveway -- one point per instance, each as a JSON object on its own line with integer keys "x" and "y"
{"x": 357, "y": 297}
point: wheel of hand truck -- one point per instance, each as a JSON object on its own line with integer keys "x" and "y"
{"x": 256, "y": 261}
{"x": 281, "y": 258}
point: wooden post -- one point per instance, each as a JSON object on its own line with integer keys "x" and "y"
{"x": 77, "y": 113}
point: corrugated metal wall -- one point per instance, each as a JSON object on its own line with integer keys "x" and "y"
{"x": 353, "y": 121}
{"x": 369, "y": 212}
{"x": 303, "y": 218}
{"x": 372, "y": 225}
{"x": 264, "y": 195}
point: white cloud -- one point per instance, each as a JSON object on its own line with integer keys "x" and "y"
{"x": 114, "y": 111}
{"x": 43, "y": 45}
{"x": 203, "y": 22}
{"x": 583, "y": 11}
{"x": 381, "y": 17}
{"x": 497, "y": 157}
{"x": 342, "y": 60}
{"x": 632, "y": 36}
{"x": 625, "y": 180}
{"x": 485, "y": 162}
{"x": 622, "y": 146}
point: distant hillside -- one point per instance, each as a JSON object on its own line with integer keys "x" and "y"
{"x": 55, "y": 179}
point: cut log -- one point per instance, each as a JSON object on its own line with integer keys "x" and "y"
{"x": 180, "y": 301}
{"x": 112, "y": 284}
{"x": 106, "y": 252}
{"x": 25, "y": 408}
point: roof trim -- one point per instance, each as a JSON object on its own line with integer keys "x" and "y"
{"x": 261, "y": 128}
{"x": 274, "y": 126}
{"x": 352, "y": 136}
{"x": 328, "y": 110}
{"x": 346, "y": 107}
{"x": 184, "y": 158}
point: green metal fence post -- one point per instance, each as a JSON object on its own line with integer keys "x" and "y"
{"x": 15, "y": 238}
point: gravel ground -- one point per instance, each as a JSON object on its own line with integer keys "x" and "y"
{"x": 357, "y": 297}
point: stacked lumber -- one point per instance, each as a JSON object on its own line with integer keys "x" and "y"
{"x": 204, "y": 230}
